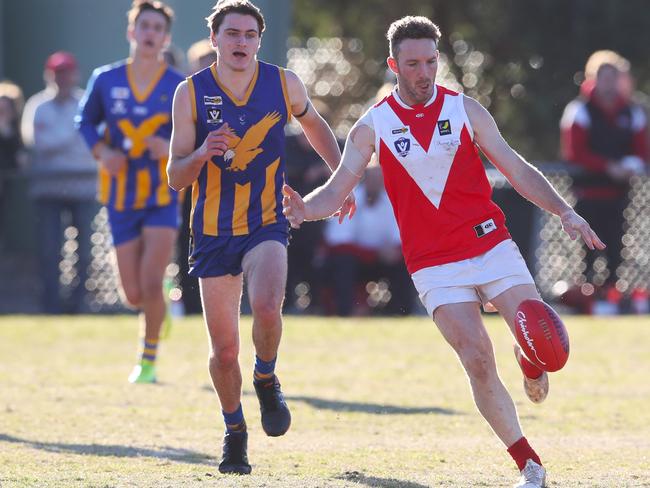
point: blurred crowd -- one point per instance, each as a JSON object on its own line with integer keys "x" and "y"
{"x": 352, "y": 268}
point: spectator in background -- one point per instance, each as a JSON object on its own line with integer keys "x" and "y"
{"x": 199, "y": 56}
{"x": 63, "y": 180}
{"x": 604, "y": 135}
{"x": 11, "y": 146}
{"x": 175, "y": 57}
{"x": 367, "y": 249}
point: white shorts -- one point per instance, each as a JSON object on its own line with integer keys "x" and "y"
{"x": 477, "y": 279}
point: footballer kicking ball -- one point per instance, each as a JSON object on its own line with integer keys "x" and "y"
{"x": 541, "y": 335}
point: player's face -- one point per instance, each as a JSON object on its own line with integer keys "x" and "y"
{"x": 607, "y": 82}
{"x": 149, "y": 35}
{"x": 415, "y": 65}
{"x": 237, "y": 41}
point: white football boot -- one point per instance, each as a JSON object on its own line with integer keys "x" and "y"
{"x": 536, "y": 388}
{"x": 532, "y": 476}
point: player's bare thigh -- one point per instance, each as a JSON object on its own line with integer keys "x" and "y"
{"x": 507, "y": 302}
{"x": 462, "y": 327}
{"x": 265, "y": 271}
{"x": 221, "y": 297}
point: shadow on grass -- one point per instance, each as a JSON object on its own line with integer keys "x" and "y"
{"x": 170, "y": 453}
{"x": 362, "y": 479}
{"x": 374, "y": 408}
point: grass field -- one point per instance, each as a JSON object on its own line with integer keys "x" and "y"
{"x": 379, "y": 403}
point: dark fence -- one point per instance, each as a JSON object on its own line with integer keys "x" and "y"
{"x": 556, "y": 262}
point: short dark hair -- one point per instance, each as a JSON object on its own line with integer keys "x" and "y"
{"x": 410, "y": 27}
{"x": 140, "y": 6}
{"x": 225, "y": 7}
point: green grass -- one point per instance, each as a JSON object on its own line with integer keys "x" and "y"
{"x": 379, "y": 403}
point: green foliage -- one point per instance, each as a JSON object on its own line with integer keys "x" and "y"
{"x": 531, "y": 50}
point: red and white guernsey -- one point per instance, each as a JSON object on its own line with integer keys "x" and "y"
{"x": 435, "y": 179}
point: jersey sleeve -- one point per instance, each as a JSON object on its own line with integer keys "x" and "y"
{"x": 91, "y": 112}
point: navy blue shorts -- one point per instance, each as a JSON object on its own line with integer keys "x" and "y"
{"x": 127, "y": 224}
{"x": 212, "y": 256}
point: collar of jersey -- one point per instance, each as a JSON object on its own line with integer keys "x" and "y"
{"x": 403, "y": 104}
{"x": 141, "y": 96}
{"x": 230, "y": 94}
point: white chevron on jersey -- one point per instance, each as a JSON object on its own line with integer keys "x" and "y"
{"x": 429, "y": 169}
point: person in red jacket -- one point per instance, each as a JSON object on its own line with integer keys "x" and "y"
{"x": 603, "y": 133}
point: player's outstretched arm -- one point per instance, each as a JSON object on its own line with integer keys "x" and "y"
{"x": 326, "y": 199}
{"x": 185, "y": 163}
{"x": 525, "y": 178}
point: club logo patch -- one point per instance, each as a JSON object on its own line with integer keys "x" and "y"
{"x": 208, "y": 100}
{"x": 214, "y": 116}
{"x": 444, "y": 127}
{"x": 403, "y": 146}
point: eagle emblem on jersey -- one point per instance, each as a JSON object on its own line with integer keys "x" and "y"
{"x": 403, "y": 146}
{"x": 243, "y": 150}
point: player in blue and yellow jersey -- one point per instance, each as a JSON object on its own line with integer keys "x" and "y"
{"x": 131, "y": 101}
{"x": 228, "y": 145}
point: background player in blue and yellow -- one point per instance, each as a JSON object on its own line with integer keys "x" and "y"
{"x": 228, "y": 144}
{"x": 131, "y": 100}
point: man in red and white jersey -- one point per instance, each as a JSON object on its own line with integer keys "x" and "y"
{"x": 454, "y": 238}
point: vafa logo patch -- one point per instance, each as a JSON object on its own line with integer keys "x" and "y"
{"x": 403, "y": 146}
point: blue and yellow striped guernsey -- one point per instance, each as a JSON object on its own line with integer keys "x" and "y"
{"x": 241, "y": 191}
{"x": 128, "y": 116}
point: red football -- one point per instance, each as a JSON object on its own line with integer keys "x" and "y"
{"x": 542, "y": 335}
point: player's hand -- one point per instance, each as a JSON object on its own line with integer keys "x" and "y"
{"x": 112, "y": 160}
{"x": 576, "y": 226}
{"x": 215, "y": 143}
{"x": 293, "y": 206}
{"x": 349, "y": 208}
{"x": 158, "y": 147}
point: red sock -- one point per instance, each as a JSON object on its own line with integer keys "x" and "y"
{"x": 522, "y": 452}
{"x": 529, "y": 369}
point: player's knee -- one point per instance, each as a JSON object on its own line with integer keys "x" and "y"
{"x": 267, "y": 309}
{"x": 151, "y": 289}
{"x": 131, "y": 297}
{"x": 224, "y": 357}
{"x": 479, "y": 363}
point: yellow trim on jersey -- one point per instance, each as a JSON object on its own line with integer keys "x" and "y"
{"x": 104, "y": 185}
{"x": 249, "y": 90}
{"x": 195, "y": 198}
{"x": 192, "y": 93}
{"x": 269, "y": 202}
{"x": 141, "y": 97}
{"x": 240, "y": 210}
{"x": 285, "y": 92}
{"x": 163, "y": 194}
{"x": 120, "y": 195}
{"x": 212, "y": 197}
{"x": 142, "y": 188}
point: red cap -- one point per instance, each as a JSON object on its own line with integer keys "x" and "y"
{"x": 60, "y": 60}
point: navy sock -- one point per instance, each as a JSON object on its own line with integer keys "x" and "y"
{"x": 264, "y": 369}
{"x": 234, "y": 421}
